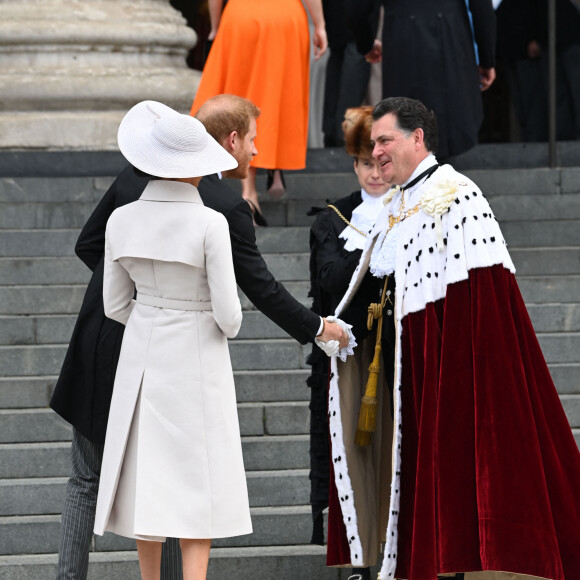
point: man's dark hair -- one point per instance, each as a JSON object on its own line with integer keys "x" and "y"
{"x": 411, "y": 114}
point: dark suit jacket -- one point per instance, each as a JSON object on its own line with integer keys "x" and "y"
{"x": 83, "y": 391}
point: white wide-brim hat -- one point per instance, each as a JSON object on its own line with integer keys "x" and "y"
{"x": 162, "y": 142}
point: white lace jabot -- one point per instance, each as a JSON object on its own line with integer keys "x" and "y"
{"x": 363, "y": 219}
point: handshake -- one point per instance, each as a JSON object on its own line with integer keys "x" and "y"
{"x": 335, "y": 336}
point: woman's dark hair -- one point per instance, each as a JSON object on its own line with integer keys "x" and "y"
{"x": 411, "y": 114}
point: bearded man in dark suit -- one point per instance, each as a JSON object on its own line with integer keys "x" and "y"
{"x": 83, "y": 391}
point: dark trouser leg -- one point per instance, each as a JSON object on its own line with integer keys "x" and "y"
{"x": 570, "y": 59}
{"x": 529, "y": 96}
{"x": 354, "y": 81}
{"x": 331, "y": 91}
{"x": 78, "y": 514}
{"x": 171, "y": 564}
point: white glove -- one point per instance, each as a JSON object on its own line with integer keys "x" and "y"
{"x": 342, "y": 353}
{"x": 329, "y": 348}
{"x": 332, "y": 347}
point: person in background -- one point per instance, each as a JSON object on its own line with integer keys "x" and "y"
{"x": 261, "y": 52}
{"x": 428, "y": 54}
{"x": 518, "y": 23}
{"x": 337, "y": 237}
{"x": 347, "y": 73}
{"x": 567, "y": 64}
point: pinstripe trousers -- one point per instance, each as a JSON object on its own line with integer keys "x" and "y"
{"x": 78, "y": 516}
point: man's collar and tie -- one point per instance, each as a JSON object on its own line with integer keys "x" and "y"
{"x": 421, "y": 173}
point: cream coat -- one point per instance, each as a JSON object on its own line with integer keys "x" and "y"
{"x": 172, "y": 464}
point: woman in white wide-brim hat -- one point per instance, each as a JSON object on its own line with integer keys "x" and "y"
{"x": 172, "y": 464}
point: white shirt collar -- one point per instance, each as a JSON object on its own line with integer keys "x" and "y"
{"x": 423, "y": 166}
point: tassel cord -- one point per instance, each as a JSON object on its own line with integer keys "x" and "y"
{"x": 368, "y": 410}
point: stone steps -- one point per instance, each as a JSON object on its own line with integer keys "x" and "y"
{"x": 31, "y": 215}
{"x": 265, "y": 386}
{"x": 290, "y": 210}
{"x": 302, "y": 184}
{"x": 293, "y": 212}
{"x": 45, "y": 495}
{"x": 38, "y": 299}
{"x": 261, "y": 453}
{"x": 539, "y": 181}
{"x": 250, "y": 563}
{"x": 490, "y": 156}
{"x": 66, "y": 299}
{"x": 42, "y": 286}
{"x": 551, "y": 289}
{"x": 57, "y": 329}
{"x": 66, "y": 202}
{"x": 288, "y": 266}
{"x": 45, "y": 243}
{"x": 256, "y": 354}
{"x": 38, "y": 242}
{"x": 566, "y": 377}
{"x": 251, "y": 386}
{"x": 40, "y": 533}
{"x": 256, "y": 418}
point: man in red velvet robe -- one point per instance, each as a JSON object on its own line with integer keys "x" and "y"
{"x": 473, "y": 470}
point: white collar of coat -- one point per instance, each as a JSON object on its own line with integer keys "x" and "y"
{"x": 167, "y": 190}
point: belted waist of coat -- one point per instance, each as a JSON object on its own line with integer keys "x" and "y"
{"x": 172, "y": 304}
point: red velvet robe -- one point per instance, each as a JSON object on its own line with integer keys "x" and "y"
{"x": 487, "y": 476}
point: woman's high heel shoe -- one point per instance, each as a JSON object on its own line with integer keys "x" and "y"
{"x": 259, "y": 219}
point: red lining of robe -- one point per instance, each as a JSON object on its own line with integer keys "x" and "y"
{"x": 496, "y": 486}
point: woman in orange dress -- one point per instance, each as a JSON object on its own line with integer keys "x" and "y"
{"x": 261, "y": 52}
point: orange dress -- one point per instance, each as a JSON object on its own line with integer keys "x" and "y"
{"x": 262, "y": 52}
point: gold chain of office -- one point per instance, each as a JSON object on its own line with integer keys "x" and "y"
{"x": 346, "y": 221}
{"x": 393, "y": 219}
{"x": 402, "y": 215}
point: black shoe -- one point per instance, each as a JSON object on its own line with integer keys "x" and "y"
{"x": 259, "y": 219}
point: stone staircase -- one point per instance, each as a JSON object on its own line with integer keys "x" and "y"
{"x": 45, "y": 199}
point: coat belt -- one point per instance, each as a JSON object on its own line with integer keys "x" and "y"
{"x": 172, "y": 304}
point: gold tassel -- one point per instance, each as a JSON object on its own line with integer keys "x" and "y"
{"x": 367, "y": 418}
